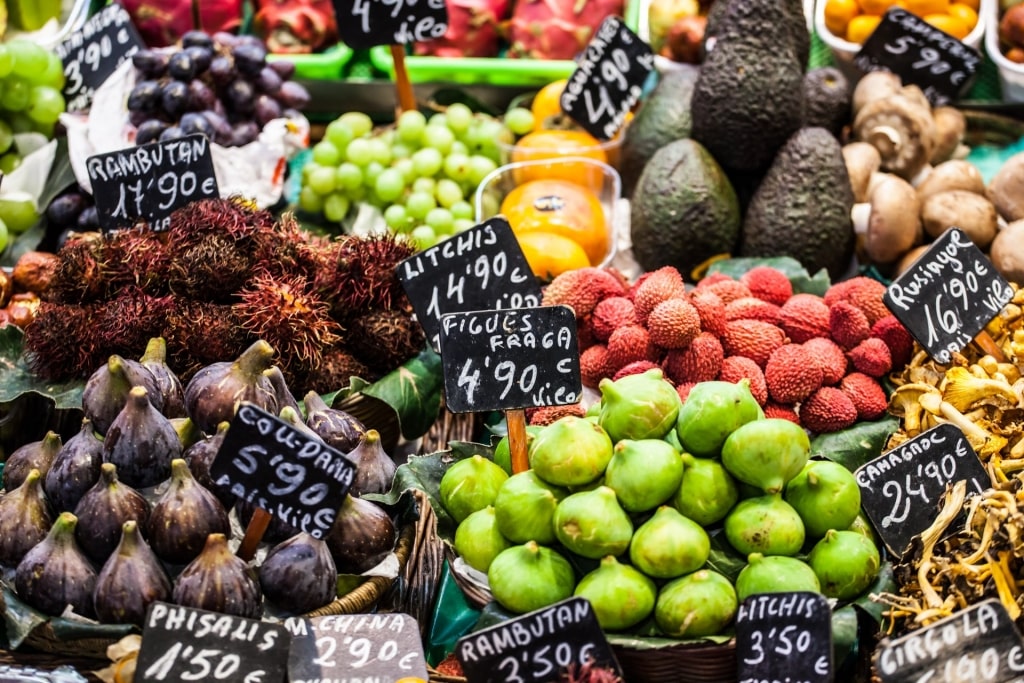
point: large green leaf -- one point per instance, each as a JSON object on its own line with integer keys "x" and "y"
{"x": 857, "y": 445}
{"x": 413, "y": 390}
{"x": 884, "y": 583}
{"x": 802, "y": 281}
{"x": 17, "y": 379}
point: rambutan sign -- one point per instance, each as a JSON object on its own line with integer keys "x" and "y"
{"x": 365, "y": 23}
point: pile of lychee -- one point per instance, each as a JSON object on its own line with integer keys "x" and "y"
{"x": 817, "y": 361}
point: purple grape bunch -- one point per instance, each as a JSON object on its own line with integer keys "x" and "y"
{"x": 221, "y": 86}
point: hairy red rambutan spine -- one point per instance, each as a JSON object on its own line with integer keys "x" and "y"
{"x": 62, "y": 341}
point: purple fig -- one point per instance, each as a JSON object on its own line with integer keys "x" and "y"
{"x": 183, "y": 517}
{"x": 75, "y": 470}
{"x": 56, "y": 573}
{"x": 131, "y": 580}
{"x": 214, "y": 393}
{"x": 141, "y": 442}
{"x": 299, "y": 575}
{"x": 25, "y": 519}
{"x": 154, "y": 359}
{"x": 37, "y": 455}
{"x": 362, "y": 535}
{"x": 107, "y": 389}
{"x": 375, "y": 470}
{"x": 219, "y": 581}
{"x": 102, "y": 512}
{"x": 336, "y": 427}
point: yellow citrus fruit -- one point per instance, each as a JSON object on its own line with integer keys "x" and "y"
{"x": 550, "y": 255}
{"x": 545, "y": 102}
{"x": 948, "y": 24}
{"x": 925, "y": 7}
{"x": 965, "y": 13}
{"x": 861, "y": 27}
{"x": 560, "y": 207}
{"x": 554, "y": 144}
{"x": 973, "y": 4}
{"x": 838, "y": 14}
{"x": 875, "y": 7}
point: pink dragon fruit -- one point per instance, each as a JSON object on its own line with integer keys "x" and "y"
{"x": 163, "y": 22}
{"x": 296, "y": 26}
{"x": 472, "y": 30}
{"x": 556, "y": 29}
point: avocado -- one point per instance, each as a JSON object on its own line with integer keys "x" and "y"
{"x": 827, "y": 98}
{"x": 684, "y": 211}
{"x": 664, "y": 117}
{"x": 802, "y": 207}
{"x": 769, "y": 23}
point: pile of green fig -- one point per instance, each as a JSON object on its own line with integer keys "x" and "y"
{"x": 620, "y": 507}
{"x": 125, "y": 512}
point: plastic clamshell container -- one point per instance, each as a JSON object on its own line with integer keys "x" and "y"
{"x": 844, "y": 51}
{"x": 321, "y": 66}
{"x": 602, "y": 180}
{"x": 1011, "y": 74}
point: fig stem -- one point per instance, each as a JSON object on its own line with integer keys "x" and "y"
{"x": 516, "y": 421}
{"x": 254, "y": 534}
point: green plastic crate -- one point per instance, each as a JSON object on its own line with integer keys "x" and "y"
{"x": 321, "y": 66}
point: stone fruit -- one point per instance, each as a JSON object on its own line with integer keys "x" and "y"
{"x": 141, "y": 442}
{"x": 713, "y": 411}
{"x": 75, "y": 469}
{"x": 846, "y": 563}
{"x": 707, "y": 491}
{"x": 620, "y": 595}
{"x": 299, "y": 574}
{"x": 36, "y": 455}
{"x": 571, "y": 451}
{"x": 643, "y": 473}
{"x": 524, "y": 508}
{"x": 336, "y": 427}
{"x": 183, "y": 517}
{"x": 775, "y": 574}
{"x": 527, "y": 577}
{"x": 478, "y": 540}
{"x": 55, "y": 573}
{"x": 219, "y": 581}
{"x": 696, "y": 605}
{"x": 642, "y": 406}
{"x": 102, "y": 512}
{"x": 826, "y": 496}
{"x": 107, "y": 389}
{"x": 470, "y": 485}
{"x": 25, "y": 519}
{"x": 593, "y": 524}
{"x": 362, "y": 535}
{"x": 669, "y": 545}
{"x": 130, "y": 581}
{"x": 766, "y": 453}
{"x": 765, "y": 524}
{"x": 375, "y": 470}
{"x": 214, "y": 393}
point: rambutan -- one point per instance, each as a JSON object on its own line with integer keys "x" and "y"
{"x": 673, "y": 323}
{"x": 752, "y": 308}
{"x": 827, "y": 410}
{"x": 863, "y": 292}
{"x": 829, "y": 357}
{"x": 791, "y": 374}
{"x": 635, "y": 368}
{"x": 661, "y": 285}
{"x": 199, "y": 333}
{"x": 384, "y": 339}
{"x": 545, "y": 415}
{"x": 582, "y": 289}
{"x": 735, "y": 368}
{"x": 128, "y": 321}
{"x": 768, "y": 284}
{"x": 700, "y": 361}
{"x": 847, "y": 324}
{"x": 753, "y": 339}
{"x": 335, "y": 371}
{"x": 628, "y": 344}
{"x": 901, "y": 345}
{"x": 233, "y": 217}
{"x": 781, "y": 412}
{"x": 287, "y": 249}
{"x": 729, "y": 290}
{"x": 610, "y": 314}
{"x": 804, "y": 317}
{"x": 79, "y": 276}
{"x": 360, "y": 273}
{"x": 866, "y": 394}
{"x": 137, "y": 257}
{"x": 594, "y": 365}
{"x": 871, "y": 357}
{"x": 711, "y": 310}
{"x": 62, "y": 341}
{"x": 684, "y": 389}
{"x": 212, "y": 267}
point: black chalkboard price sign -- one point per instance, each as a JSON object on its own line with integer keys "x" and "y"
{"x": 506, "y": 360}
{"x": 977, "y": 644}
{"x": 948, "y": 295}
{"x": 784, "y": 637}
{"x": 355, "y": 647}
{"x": 29, "y": 674}
{"x": 537, "y": 647}
{"x": 150, "y": 181}
{"x": 900, "y": 490}
{"x": 186, "y": 644}
{"x": 480, "y": 269}
{"x": 365, "y": 23}
{"x": 920, "y": 54}
{"x": 608, "y": 79}
{"x": 93, "y": 52}
{"x": 278, "y": 468}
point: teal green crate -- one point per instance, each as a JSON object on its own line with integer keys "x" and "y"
{"x": 321, "y": 66}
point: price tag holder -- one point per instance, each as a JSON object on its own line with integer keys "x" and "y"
{"x": 271, "y": 464}
{"x": 900, "y": 490}
{"x": 355, "y": 647}
{"x": 186, "y": 644}
{"x": 365, "y": 23}
{"x": 480, "y": 269}
{"x": 608, "y": 79}
{"x": 784, "y": 637}
{"x": 948, "y": 295}
{"x": 507, "y": 360}
{"x": 920, "y": 54}
{"x": 536, "y": 647}
{"x": 979, "y": 643}
{"x": 93, "y": 53}
{"x": 150, "y": 181}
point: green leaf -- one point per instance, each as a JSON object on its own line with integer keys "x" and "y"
{"x": 802, "y": 281}
{"x": 844, "y": 638}
{"x": 17, "y": 379}
{"x": 19, "y": 618}
{"x": 414, "y": 391}
{"x": 857, "y": 445}
{"x": 724, "y": 559}
{"x": 884, "y": 583}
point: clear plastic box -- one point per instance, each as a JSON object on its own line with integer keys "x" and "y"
{"x": 1011, "y": 74}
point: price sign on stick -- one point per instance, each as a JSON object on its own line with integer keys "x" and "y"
{"x": 94, "y": 52}
{"x": 186, "y": 644}
{"x": 150, "y": 181}
{"x": 901, "y": 489}
{"x": 948, "y": 295}
{"x": 537, "y": 647}
{"x": 355, "y": 647}
{"x": 784, "y": 637}
{"x": 920, "y": 54}
{"x": 365, "y": 23}
{"x": 608, "y": 79}
{"x": 979, "y": 643}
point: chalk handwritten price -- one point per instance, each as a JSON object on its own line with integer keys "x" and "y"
{"x": 199, "y": 665}
{"x": 396, "y": 22}
{"x": 92, "y": 53}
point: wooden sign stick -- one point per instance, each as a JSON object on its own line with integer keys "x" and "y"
{"x": 406, "y": 97}
{"x": 989, "y": 346}
{"x": 254, "y": 534}
{"x": 516, "y": 421}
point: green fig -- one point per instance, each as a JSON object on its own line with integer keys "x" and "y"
{"x": 644, "y": 473}
{"x": 525, "y": 507}
{"x": 669, "y": 545}
{"x": 846, "y": 563}
{"x": 571, "y": 451}
{"x": 672, "y": 439}
{"x": 593, "y": 524}
{"x": 696, "y": 605}
{"x": 862, "y": 526}
{"x": 766, "y": 453}
{"x": 620, "y": 595}
{"x": 775, "y": 574}
{"x": 478, "y": 541}
{"x": 713, "y": 411}
{"x": 707, "y": 491}
{"x": 767, "y": 525}
{"x": 643, "y": 406}
{"x": 826, "y": 495}
{"x": 527, "y": 577}
{"x": 594, "y": 410}
{"x": 502, "y": 452}
{"x": 470, "y": 485}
